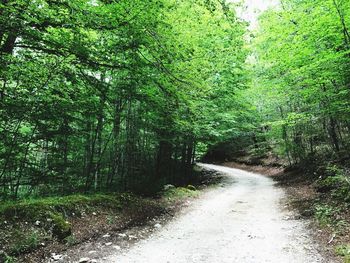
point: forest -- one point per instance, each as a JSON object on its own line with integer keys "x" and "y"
{"x": 112, "y": 110}
{"x": 301, "y": 79}
{"x": 114, "y": 95}
{"x": 103, "y": 95}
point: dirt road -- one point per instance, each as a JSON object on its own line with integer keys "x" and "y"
{"x": 241, "y": 221}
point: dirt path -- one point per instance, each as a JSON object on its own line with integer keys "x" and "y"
{"x": 241, "y": 221}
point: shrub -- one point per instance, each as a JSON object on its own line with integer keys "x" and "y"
{"x": 324, "y": 213}
{"x": 61, "y": 228}
{"x": 25, "y": 243}
{"x": 344, "y": 251}
{"x": 336, "y": 182}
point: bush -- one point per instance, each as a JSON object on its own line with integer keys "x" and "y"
{"x": 6, "y": 258}
{"x": 336, "y": 182}
{"x": 179, "y": 192}
{"x": 325, "y": 213}
{"x": 71, "y": 240}
{"x": 25, "y": 243}
{"x": 61, "y": 228}
{"x": 344, "y": 251}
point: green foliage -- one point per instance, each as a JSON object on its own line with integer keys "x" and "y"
{"x": 101, "y": 96}
{"x": 108, "y": 95}
{"x": 343, "y": 251}
{"x": 21, "y": 235}
{"x": 325, "y": 213}
{"x": 61, "y": 228}
{"x": 58, "y": 207}
{"x": 191, "y": 187}
{"x": 25, "y": 242}
{"x": 337, "y": 182}
{"x": 7, "y": 259}
{"x": 71, "y": 240}
{"x": 180, "y": 192}
{"x": 111, "y": 220}
{"x": 4, "y": 257}
{"x": 329, "y": 215}
{"x": 300, "y": 78}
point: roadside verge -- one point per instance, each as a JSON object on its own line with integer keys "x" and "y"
{"x": 63, "y": 229}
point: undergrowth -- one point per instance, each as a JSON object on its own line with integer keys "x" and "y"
{"x": 344, "y": 251}
{"x": 180, "y": 192}
{"x": 332, "y": 207}
{"x": 26, "y": 225}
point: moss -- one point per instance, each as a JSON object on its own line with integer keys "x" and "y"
{"x": 61, "y": 228}
{"x": 52, "y": 214}
{"x": 36, "y": 209}
{"x": 20, "y": 233}
{"x": 16, "y": 211}
{"x": 25, "y": 224}
{"x": 179, "y": 192}
{"x": 191, "y": 187}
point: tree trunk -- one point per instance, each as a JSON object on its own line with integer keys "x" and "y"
{"x": 333, "y": 133}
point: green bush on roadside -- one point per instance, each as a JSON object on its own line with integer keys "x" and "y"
{"x": 336, "y": 182}
{"x": 343, "y": 251}
{"x": 4, "y": 257}
{"x": 324, "y": 213}
{"x": 179, "y": 192}
{"x": 24, "y": 243}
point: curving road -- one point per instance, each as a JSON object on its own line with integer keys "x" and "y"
{"x": 242, "y": 221}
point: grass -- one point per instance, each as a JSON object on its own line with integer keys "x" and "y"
{"x": 6, "y": 258}
{"x": 24, "y": 242}
{"x": 71, "y": 240}
{"x": 344, "y": 251}
{"x": 331, "y": 209}
{"x": 180, "y": 193}
{"x": 325, "y": 214}
{"x": 59, "y": 208}
{"x": 36, "y": 209}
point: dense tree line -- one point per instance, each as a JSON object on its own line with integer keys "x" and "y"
{"x": 100, "y": 95}
{"x": 301, "y": 79}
